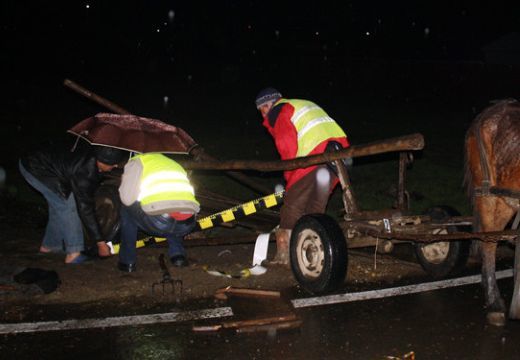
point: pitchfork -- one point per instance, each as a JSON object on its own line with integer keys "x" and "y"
{"x": 176, "y": 285}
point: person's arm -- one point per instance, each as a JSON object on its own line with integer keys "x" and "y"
{"x": 129, "y": 188}
{"x": 84, "y": 182}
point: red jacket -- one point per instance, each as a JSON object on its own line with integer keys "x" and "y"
{"x": 278, "y": 123}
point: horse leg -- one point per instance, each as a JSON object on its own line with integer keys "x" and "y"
{"x": 495, "y": 218}
{"x": 494, "y": 302}
{"x": 514, "y": 310}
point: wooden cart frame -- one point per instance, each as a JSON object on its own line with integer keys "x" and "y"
{"x": 440, "y": 236}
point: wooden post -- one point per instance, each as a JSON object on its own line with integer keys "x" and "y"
{"x": 401, "y": 143}
{"x": 96, "y": 98}
{"x": 349, "y": 201}
{"x": 402, "y": 199}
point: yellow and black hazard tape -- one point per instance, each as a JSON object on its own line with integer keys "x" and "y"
{"x": 223, "y": 216}
{"x": 241, "y": 210}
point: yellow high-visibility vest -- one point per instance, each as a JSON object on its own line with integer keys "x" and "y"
{"x": 312, "y": 124}
{"x": 163, "y": 179}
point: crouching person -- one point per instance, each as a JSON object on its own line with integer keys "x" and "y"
{"x": 158, "y": 199}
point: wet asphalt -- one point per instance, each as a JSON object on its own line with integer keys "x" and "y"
{"x": 442, "y": 324}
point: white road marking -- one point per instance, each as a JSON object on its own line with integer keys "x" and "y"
{"x": 401, "y": 290}
{"x": 76, "y": 324}
{"x": 176, "y": 317}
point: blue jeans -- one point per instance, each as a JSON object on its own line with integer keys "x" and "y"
{"x": 134, "y": 218}
{"x": 64, "y": 231}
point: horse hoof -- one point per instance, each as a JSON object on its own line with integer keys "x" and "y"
{"x": 496, "y": 318}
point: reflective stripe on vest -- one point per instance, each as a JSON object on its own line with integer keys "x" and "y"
{"x": 158, "y": 184}
{"x": 312, "y": 124}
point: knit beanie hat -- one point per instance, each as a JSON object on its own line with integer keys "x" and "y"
{"x": 266, "y": 95}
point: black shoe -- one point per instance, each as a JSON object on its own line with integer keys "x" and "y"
{"x": 179, "y": 261}
{"x": 126, "y": 267}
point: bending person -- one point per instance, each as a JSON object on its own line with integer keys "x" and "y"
{"x": 300, "y": 128}
{"x": 68, "y": 180}
{"x": 157, "y": 198}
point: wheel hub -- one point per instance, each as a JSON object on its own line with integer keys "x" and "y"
{"x": 310, "y": 253}
{"x": 436, "y": 252}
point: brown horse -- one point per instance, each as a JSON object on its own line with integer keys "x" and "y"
{"x": 493, "y": 181}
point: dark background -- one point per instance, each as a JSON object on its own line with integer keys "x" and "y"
{"x": 355, "y": 58}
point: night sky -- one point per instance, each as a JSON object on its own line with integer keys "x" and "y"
{"x": 85, "y": 35}
{"x": 199, "y": 65}
{"x": 241, "y": 46}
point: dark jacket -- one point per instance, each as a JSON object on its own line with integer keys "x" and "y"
{"x": 65, "y": 172}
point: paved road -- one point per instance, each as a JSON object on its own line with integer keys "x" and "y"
{"x": 441, "y": 324}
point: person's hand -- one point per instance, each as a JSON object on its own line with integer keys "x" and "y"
{"x": 103, "y": 249}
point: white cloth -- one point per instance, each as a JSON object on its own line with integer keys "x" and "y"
{"x": 260, "y": 254}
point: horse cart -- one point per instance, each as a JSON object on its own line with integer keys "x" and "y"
{"x": 319, "y": 244}
{"x": 441, "y": 237}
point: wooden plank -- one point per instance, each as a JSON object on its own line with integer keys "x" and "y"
{"x": 273, "y": 323}
{"x": 492, "y": 236}
{"x": 206, "y": 328}
{"x": 8, "y": 287}
{"x": 245, "y": 292}
{"x": 259, "y": 321}
{"x": 270, "y": 327}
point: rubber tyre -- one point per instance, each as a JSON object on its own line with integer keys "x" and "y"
{"x": 108, "y": 205}
{"x": 443, "y": 259}
{"x": 319, "y": 254}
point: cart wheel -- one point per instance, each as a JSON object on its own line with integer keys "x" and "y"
{"x": 441, "y": 259}
{"x": 318, "y": 253}
{"x": 107, "y": 211}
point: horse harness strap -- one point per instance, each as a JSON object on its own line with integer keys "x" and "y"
{"x": 484, "y": 189}
{"x": 516, "y": 221}
{"x": 496, "y": 191}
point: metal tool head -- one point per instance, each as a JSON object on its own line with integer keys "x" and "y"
{"x": 175, "y": 286}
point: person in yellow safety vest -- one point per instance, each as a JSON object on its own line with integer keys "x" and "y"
{"x": 157, "y": 198}
{"x": 300, "y": 128}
